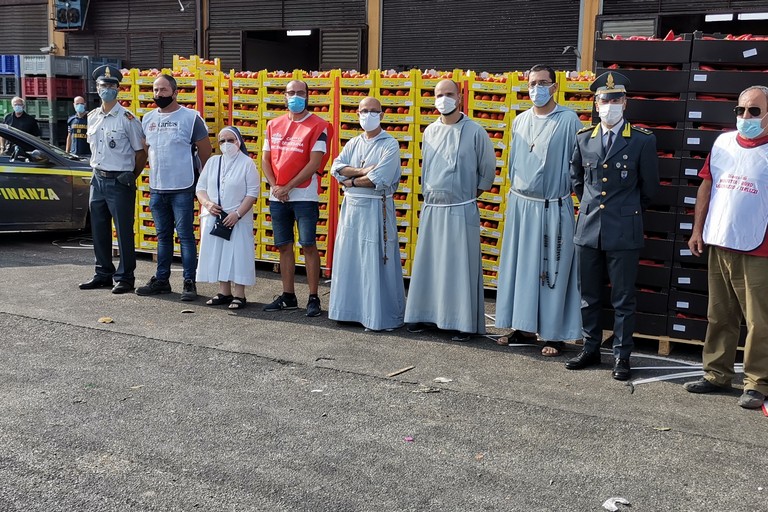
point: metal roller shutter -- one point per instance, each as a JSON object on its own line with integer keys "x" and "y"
{"x": 227, "y": 46}
{"x": 26, "y": 30}
{"x": 247, "y": 15}
{"x": 143, "y": 33}
{"x": 478, "y": 35}
{"x": 341, "y": 49}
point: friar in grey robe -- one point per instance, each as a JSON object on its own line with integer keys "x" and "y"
{"x": 367, "y": 283}
{"x": 538, "y": 280}
{"x": 458, "y": 163}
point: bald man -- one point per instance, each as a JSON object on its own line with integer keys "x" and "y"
{"x": 458, "y": 164}
{"x": 367, "y": 287}
{"x": 77, "y": 130}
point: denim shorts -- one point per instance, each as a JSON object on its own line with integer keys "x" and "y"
{"x": 284, "y": 215}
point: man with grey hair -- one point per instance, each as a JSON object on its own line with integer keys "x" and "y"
{"x": 20, "y": 120}
{"x": 731, "y": 216}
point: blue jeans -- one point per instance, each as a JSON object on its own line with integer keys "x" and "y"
{"x": 175, "y": 209}
{"x": 304, "y": 213}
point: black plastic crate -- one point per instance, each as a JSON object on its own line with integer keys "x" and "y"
{"x": 690, "y": 167}
{"x": 688, "y": 303}
{"x": 655, "y": 111}
{"x": 736, "y": 53}
{"x": 655, "y": 276}
{"x": 668, "y": 139}
{"x": 714, "y": 112}
{"x": 659, "y": 222}
{"x": 657, "y": 81}
{"x": 683, "y": 255}
{"x": 700, "y": 140}
{"x": 684, "y": 225}
{"x": 665, "y": 197}
{"x": 9, "y": 85}
{"x": 686, "y": 195}
{"x": 642, "y": 52}
{"x": 659, "y": 249}
{"x": 686, "y": 328}
{"x": 724, "y": 82}
{"x": 689, "y": 279}
{"x": 645, "y": 323}
{"x": 669, "y": 167}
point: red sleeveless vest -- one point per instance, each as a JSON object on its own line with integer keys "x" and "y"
{"x": 291, "y": 143}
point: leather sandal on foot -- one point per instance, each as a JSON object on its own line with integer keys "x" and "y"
{"x": 555, "y": 348}
{"x": 219, "y": 299}
{"x": 237, "y": 303}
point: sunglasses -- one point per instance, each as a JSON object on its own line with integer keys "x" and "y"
{"x": 222, "y": 141}
{"x": 753, "y": 111}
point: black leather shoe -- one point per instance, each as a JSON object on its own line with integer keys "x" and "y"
{"x": 584, "y": 359}
{"x": 95, "y": 282}
{"x": 621, "y": 369}
{"x": 122, "y": 287}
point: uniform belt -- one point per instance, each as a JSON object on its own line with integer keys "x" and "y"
{"x": 107, "y": 174}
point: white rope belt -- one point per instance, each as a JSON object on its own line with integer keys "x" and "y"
{"x": 449, "y": 205}
{"x": 537, "y": 199}
{"x": 370, "y": 196}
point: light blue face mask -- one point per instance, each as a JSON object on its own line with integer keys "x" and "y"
{"x": 108, "y": 94}
{"x": 18, "y": 109}
{"x": 750, "y": 128}
{"x": 540, "y": 95}
{"x": 80, "y": 108}
{"x": 297, "y": 104}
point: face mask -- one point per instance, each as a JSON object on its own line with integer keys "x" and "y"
{"x": 18, "y": 109}
{"x": 540, "y": 95}
{"x": 229, "y": 149}
{"x": 369, "y": 121}
{"x": 610, "y": 113}
{"x": 80, "y": 108}
{"x": 108, "y": 94}
{"x": 297, "y": 104}
{"x": 445, "y": 105}
{"x": 750, "y": 128}
{"x": 163, "y": 101}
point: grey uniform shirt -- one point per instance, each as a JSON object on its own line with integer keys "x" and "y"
{"x": 114, "y": 137}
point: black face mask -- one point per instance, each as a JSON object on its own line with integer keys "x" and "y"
{"x": 163, "y": 101}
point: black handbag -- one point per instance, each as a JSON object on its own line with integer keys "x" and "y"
{"x": 219, "y": 229}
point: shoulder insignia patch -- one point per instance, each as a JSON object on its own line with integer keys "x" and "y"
{"x": 642, "y": 130}
{"x": 129, "y": 115}
{"x": 585, "y": 129}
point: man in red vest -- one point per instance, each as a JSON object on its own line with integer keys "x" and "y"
{"x": 296, "y": 149}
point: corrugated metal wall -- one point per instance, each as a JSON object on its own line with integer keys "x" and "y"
{"x": 143, "y": 33}
{"x": 479, "y": 35}
{"x": 23, "y": 27}
{"x": 611, "y": 7}
{"x": 341, "y": 46}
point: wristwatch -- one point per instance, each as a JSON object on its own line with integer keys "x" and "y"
{"x": 353, "y": 182}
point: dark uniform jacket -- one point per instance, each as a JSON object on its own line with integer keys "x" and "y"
{"x": 614, "y": 189}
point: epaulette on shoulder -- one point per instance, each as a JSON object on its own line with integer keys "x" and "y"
{"x": 129, "y": 115}
{"x": 586, "y": 129}
{"x": 642, "y": 130}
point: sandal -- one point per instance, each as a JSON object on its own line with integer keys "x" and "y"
{"x": 219, "y": 299}
{"x": 237, "y": 303}
{"x": 552, "y": 348}
{"x": 516, "y": 337}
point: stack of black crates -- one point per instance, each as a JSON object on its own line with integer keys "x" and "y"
{"x": 684, "y": 91}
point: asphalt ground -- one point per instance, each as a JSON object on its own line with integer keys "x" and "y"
{"x": 212, "y": 410}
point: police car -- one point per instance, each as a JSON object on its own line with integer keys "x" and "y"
{"x": 41, "y": 186}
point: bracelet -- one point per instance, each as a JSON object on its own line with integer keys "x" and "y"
{"x": 238, "y": 214}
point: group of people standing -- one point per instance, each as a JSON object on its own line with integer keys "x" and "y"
{"x": 552, "y": 265}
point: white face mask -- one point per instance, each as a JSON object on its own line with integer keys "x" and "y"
{"x": 229, "y": 149}
{"x": 369, "y": 121}
{"x": 445, "y": 104}
{"x": 610, "y": 113}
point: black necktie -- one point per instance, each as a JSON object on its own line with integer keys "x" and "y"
{"x": 609, "y": 142}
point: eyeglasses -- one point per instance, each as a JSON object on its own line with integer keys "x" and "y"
{"x": 541, "y": 83}
{"x": 222, "y": 141}
{"x": 374, "y": 112}
{"x": 753, "y": 111}
{"x": 303, "y": 94}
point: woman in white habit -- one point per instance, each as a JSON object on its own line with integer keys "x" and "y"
{"x": 229, "y": 183}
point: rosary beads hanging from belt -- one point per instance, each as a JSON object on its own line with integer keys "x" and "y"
{"x": 558, "y": 247}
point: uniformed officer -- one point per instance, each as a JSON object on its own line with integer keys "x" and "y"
{"x": 615, "y": 173}
{"x": 117, "y": 158}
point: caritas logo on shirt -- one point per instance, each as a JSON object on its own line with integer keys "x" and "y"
{"x": 295, "y": 144}
{"x": 163, "y": 126}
